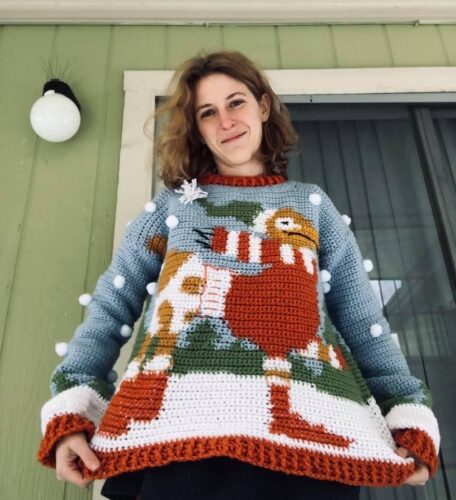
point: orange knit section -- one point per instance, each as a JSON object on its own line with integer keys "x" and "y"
{"x": 258, "y": 452}
{"x": 280, "y": 286}
{"x": 57, "y": 428}
{"x": 244, "y": 247}
{"x": 419, "y": 444}
{"x": 139, "y": 398}
{"x": 293, "y": 425}
{"x": 242, "y": 180}
{"x": 219, "y": 239}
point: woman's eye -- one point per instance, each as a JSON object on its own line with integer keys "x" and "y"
{"x": 235, "y": 102}
{"x": 206, "y": 113}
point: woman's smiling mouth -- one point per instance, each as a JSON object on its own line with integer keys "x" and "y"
{"x": 233, "y": 138}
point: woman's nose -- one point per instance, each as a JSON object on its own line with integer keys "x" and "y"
{"x": 226, "y": 121}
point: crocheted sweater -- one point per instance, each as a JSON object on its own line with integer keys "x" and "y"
{"x": 263, "y": 340}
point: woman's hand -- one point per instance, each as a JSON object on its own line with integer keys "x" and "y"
{"x": 419, "y": 477}
{"x": 68, "y": 450}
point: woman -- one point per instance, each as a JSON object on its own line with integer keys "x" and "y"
{"x": 229, "y": 131}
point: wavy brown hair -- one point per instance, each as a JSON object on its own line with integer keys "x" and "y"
{"x": 178, "y": 147}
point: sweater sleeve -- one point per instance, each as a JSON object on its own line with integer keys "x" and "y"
{"x": 356, "y": 312}
{"x": 82, "y": 384}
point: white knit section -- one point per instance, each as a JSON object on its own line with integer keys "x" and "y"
{"x": 409, "y": 415}
{"x": 276, "y": 380}
{"x": 255, "y": 249}
{"x": 131, "y": 371}
{"x": 82, "y": 400}
{"x": 311, "y": 351}
{"x": 223, "y": 404}
{"x": 276, "y": 364}
{"x": 213, "y": 298}
{"x": 287, "y": 254}
{"x": 232, "y": 243}
{"x": 260, "y": 221}
{"x": 181, "y": 302}
{"x": 308, "y": 257}
{"x": 380, "y": 422}
{"x": 333, "y": 357}
{"x": 158, "y": 363}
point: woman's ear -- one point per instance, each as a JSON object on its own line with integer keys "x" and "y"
{"x": 265, "y": 105}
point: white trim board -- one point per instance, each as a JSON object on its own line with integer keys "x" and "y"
{"x": 228, "y": 11}
{"x": 325, "y": 81}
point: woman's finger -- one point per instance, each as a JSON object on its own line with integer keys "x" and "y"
{"x": 75, "y": 477}
{"x": 419, "y": 477}
{"x": 83, "y": 451}
{"x": 402, "y": 452}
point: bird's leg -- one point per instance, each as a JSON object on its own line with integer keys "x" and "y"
{"x": 284, "y": 420}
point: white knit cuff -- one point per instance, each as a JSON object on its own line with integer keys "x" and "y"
{"x": 81, "y": 400}
{"x": 408, "y": 415}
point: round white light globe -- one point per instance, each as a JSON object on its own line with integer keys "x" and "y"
{"x": 54, "y": 117}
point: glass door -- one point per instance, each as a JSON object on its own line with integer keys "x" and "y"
{"x": 391, "y": 168}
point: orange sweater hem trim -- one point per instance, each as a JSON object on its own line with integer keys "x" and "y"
{"x": 256, "y": 451}
{"x": 57, "y": 428}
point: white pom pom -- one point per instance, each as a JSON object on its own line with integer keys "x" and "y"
{"x": 112, "y": 376}
{"x": 151, "y": 287}
{"x": 325, "y": 275}
{"x": 119, "y": 281}
{"x": 376, "y": 330}
{"x": 61, "y": 348}
{"x": 126, "y": 330}
{"x": 368, "y": 265}
{"x": 85, "y": 299}
{"x": 172, "y": 221}
{"x": 346, "y": 219}
{"x": 150, "y": 207}
{"x": 326, "y": 287}
{"x": 315, "y": 199}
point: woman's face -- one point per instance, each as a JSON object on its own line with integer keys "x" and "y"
{"x": 226, "y": 109}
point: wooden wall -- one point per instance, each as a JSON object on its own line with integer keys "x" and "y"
{"x": 57, "y": 201}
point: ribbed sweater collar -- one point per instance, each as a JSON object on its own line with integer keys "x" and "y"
{"x": 242, "y": 180}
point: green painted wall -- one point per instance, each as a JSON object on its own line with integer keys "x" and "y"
{"x": 57, "y": 201}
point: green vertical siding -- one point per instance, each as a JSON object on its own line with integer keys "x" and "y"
{"x": 57, "y": 201}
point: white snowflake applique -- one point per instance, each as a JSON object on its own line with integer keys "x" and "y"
{"x": 190, "y": 192}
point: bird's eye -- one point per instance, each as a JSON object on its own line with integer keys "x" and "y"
{"x": 285, "y": 223}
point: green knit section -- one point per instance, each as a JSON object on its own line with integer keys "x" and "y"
{"x": 329, "y": 380}
{"x": 422, "y": 397}
{"x": 325, "y": 377}
{"x": 244, "y": 211}
{"x": 150, "y": 351}
{"x": 334, "y": 337}
{"x": 102, "y": 388}
{"x": 141, "y": 332}
{"x": 62, "y": 381}
{"x": 200, "y": 355}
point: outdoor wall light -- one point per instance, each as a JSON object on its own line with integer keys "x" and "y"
{"x": 55, "y": 116}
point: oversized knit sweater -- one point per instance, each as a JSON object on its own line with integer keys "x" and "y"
{"x": 263, "y": 340}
